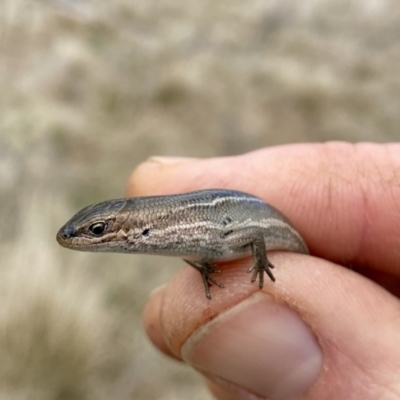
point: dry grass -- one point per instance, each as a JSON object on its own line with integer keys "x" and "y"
{"x": 89, "y": 89}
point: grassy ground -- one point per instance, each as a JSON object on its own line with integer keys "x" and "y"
{"x": 89, "y": 89}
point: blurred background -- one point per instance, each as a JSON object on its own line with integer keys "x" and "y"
{"x": 89, "y": 89}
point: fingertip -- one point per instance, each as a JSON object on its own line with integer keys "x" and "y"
{"x": 150, "y": 177}
{"x": 152, "y": 322}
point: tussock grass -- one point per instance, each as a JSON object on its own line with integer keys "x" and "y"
{"x": 88, "y": 90}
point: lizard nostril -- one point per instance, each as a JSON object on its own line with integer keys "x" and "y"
{"x": 67, "y": 232}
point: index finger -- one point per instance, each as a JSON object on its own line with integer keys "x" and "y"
{"x": 343, "y": 198}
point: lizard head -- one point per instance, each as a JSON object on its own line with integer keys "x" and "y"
{"x": 97, "y": 227}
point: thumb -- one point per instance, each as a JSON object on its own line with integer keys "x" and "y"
{"x": 321, "y": 332}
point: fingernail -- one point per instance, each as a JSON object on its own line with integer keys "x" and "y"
{"x": 259, "y": 345}
{"x": 169, "y": 160}
{"x": 157, "y": 289}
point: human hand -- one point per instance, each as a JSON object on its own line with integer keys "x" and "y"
{"x": 322, "y": 330}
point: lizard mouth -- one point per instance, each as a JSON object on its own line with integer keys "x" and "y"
{"x": 68, "y": 238}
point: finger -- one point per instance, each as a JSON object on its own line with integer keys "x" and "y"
{"x": 320, "y": 332}
{"x": 344, "y": 199}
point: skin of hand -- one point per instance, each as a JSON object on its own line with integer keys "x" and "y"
{"x": 329, "y": 327}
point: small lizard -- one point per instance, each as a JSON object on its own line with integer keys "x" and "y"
{"x": 202, "y": 227}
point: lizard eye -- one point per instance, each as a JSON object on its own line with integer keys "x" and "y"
{"x": 98, "y": 228}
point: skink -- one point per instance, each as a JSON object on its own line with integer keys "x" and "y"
{"x": 202, "y": 227}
